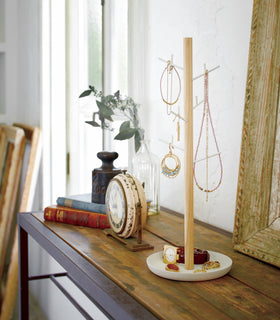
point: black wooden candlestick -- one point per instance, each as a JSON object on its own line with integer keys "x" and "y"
{"x": 102, "y": 176}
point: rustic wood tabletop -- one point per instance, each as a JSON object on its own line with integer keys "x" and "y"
{"x": 249, "y": 291}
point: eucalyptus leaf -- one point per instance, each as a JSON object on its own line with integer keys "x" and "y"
{"x": 117, "y": 95}
{"x": 85, "y": 94}
{"x": 93, "y": 89}
{"x": 105, "y": 112}
{"x": 141, "y": 133}
{"x": 125, "y": 125}
{"x": 137, "y": 142}
{"x": 125, "y": 134}
{"x": 115, "y": 104}
{"x": 93, "y": 123}
{"x": 100, "y": 104}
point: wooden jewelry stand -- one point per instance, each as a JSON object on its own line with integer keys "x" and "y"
{"x": 188, "y": 271}
{"x": 188, "y": 156}
{"x": 132, "y": 244}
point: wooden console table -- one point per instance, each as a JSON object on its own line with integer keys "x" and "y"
{"x": 121, "y": 285}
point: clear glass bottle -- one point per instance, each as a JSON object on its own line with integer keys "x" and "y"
{"x": 145, "y": 167}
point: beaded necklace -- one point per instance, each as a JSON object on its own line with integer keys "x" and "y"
{"x": 208, "y": 119}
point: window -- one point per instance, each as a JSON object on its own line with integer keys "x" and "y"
{"x": 96, "y": 54}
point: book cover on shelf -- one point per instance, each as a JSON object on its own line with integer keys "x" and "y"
{"x": 76, "y": 217}
{"x": 82, "y": 202}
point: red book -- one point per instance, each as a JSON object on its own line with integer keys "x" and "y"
{"x": 76, "y": 217}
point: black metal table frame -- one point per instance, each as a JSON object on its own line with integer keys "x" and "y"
{"x": 111, "y": 299}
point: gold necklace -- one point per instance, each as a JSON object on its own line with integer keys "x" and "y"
{"x": 208, "y": 119}
{"x": 169, "y": 73}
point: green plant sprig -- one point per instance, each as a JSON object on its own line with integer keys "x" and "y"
{"x": 112, "y": 105}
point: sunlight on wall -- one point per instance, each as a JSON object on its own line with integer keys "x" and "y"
{"x": 221, "y": 35}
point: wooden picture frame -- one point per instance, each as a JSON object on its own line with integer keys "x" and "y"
{"x": 257, "y": 218}
{"x": 12, "y": 151}
{"x": 30, "y": 168}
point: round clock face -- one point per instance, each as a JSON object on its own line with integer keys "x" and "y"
{"x": 170, "y": 255}
{"x": 116, "y": 206}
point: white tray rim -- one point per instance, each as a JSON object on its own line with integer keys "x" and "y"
{"x": 157, "y": 266}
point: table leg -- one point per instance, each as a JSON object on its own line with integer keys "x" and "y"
{"x": 23, "y": 275}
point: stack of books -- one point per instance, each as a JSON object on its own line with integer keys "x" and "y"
{"x": 78, "y": 210}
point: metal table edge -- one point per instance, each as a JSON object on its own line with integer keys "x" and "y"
{"x": 106, "y": 294}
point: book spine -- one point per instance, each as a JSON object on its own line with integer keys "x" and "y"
{"x": 82, "y": 205}
{"x": 90, "y": 219}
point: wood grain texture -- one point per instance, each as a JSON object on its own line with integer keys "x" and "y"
{"x": 9, "y": 185}
{"x": 10, "y": 287}
{"x": 33, "y": 139}
{"x": 3, "y": 143}
{"x": 239, "y": 295}
{"x": 188, "y": 152}
{"x": 170, "y": 228}
{"x": 258, "y": 160}
{"x": 274, "y": 210}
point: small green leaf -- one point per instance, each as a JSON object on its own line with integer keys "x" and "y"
{"x": 117, "y": 95}
{"x": 105, "y": 112}
{"x": 141, "y": 133}
{"x": 104, "y": 109}
{"x": 138, "y": 137}
{"x": 85, "y": 94}
{"x": 125, "y": 134}
{"x": 100, "y": 104}
{"x": 137, "y": 143}
{"x": 93, "y": 123}
{"x": 125, "y": 125}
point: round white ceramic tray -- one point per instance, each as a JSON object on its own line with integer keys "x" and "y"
{"x": 156, "y": 265}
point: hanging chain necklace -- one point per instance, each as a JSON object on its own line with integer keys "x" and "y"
{"x": 207, "y": 117}
{"x": 169, "y": 74}
{"x": 167, "y": 99}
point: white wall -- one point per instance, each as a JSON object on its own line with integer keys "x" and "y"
{"x": 29, "y": 62}
{"x": 221, "y": 35}
{"x": 8, "y": 61}
{"x": 23, "y": 62}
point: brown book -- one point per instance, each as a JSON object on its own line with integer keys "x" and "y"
{"x": 76, "y": 217}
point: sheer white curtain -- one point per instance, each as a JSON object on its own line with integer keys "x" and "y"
{"x": 82, "y": 44}
{"x": 116, "y": 67}
{"x": 53, "y": 100}
{"x": 84, "y": 28}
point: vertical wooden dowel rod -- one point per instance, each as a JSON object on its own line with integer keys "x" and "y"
{"x": 188, "y": 154}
